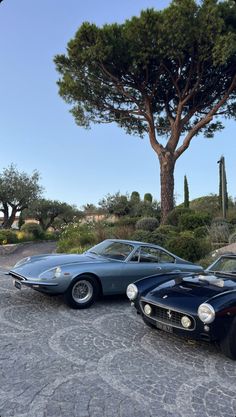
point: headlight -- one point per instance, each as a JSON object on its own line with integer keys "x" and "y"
{"x": 147, "y": 309}
{"x": 57, "y": 272}
{"x": 22, "y": 261}
{"x": 206, "y": 313}
{"x": 186, "y": 322}
{"x": 132, "y": 291}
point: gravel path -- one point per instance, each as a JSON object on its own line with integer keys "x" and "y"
{"x": 24, "y": 250}
{"x": 101, "y": 362}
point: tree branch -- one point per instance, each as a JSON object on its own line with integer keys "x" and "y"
{"x": 204, "y": 121}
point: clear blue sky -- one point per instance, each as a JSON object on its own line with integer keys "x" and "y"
{"x": 38, "y": 132}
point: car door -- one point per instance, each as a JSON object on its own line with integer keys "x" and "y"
{"x": 147, "y": 260}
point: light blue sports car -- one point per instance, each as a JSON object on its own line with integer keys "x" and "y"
{"x": 106, "y": 268}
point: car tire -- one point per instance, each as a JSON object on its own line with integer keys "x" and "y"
{"x": 228, "y": 344}
{"x": 82, "y": 292}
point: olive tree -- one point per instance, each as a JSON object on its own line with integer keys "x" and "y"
{"x": 17, "y": 191}
{"x": 52, "y": 213}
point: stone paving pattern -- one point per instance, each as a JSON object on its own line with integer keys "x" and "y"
{"x": 102, "y": 362}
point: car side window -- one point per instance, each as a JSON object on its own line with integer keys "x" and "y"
{"x": 135, "y": 257}
{"x": 149, "y": 254}
{"x": 166, "y": 257}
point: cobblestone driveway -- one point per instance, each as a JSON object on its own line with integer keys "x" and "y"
{"x": 102, "y": 362}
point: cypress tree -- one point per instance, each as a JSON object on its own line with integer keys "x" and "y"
{"x": 186, "y": 193}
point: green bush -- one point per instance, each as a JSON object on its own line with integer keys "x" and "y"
{"x": 232, "y": 238}
{"x": 7, "y": 236}
{"x": 127, "y": 221}
{"x": 123, "y": 232}
{"x": 167, "y": 229}
{"x": 149, "y": 237}
{"x": 219, "y": 231}
{"x": 147, "y": 223}
{"x": 76, "y": 235}
{"x": 33, "y": 229}
{"x": 190, "y": 221}
{"x": 231, "y": 217}
{"x": 102, "y": 230}
{"x": 79, "y": 249}
{"x": 143, "y": 236}
{"x": 201, "y": 232}
{"x": 188, "y": 247}
{"x": 173, "y": 217}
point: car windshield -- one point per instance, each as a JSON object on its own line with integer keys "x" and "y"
{"x": 224, "y": 265}
{"x": 112, "y": 250}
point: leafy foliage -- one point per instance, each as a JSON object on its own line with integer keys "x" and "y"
{"x": 186, "y": 193}
{"x": 33, "y": 229}
{"x": 147, "y": 223}
{"x": 7, "y": 236}
{"x": 190, "y": 221}
{"x": 169, "y": 74}
{"x": 52, "y": 213}
{"x": 75, "y": 235}
{"x": 219, "y": 231}
{"x": 188, "y": 247}
{"x": 17, "y": 191}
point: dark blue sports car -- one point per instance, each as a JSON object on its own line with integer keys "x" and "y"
{"x": 197, "y": 305}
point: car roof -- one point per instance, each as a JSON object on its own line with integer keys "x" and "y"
{"x": 135, "y": 242}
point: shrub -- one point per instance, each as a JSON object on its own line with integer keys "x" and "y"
{"x": 33, "y": 229}
{"x": 24, "y": 236}
{"x": 231, "y": 216}
{"x": 143, "y": 236}
{"x": 190, "y": 221}
{"x": 7, "y": 236}
{"x": 147, "y": 223}
{"x": 75, "y": 235}
{"x": 206, "y": 260}
{"x": 201, "y": 232}
{"x": 167, "y": 229}
{"x": 127, "y": 221}
{"x": 150, "y": 237}
{"x": 174, "y": 216}
{"x": 102, "y": 230}
{"x": 232, "y": 238}
{"x": 79, "y": 249}
{"x": 219, "y": 231}
{"x": 188, "y": 247}
{"x": 158, "y": 238}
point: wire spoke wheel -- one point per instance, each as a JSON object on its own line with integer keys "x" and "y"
{"x": 82, "y": 291}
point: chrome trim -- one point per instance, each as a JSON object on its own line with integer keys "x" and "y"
{"x": 29, "y": 283}
{"x": 15, "y": 275}
{"x": 170, "y": 309}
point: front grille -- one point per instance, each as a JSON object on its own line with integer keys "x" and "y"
{"x": 168, "y": 316}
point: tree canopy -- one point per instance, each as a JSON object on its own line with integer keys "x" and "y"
{"x": 170, "y": 74}
{"x": 52, "y": 213}
{"x": 17, "y": 191}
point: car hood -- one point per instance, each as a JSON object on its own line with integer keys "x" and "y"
{"x": 38, "y": 264}
{"x": 189, "y": 292}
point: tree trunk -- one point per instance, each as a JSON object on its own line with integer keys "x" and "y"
{"x": 167, "y": 165}
{"x": 5, "y": 211}
{"x": 10, "y": 219}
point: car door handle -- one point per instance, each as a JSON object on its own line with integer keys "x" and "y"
{"x": 159, "y": 268}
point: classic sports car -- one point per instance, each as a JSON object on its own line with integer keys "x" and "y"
{"x": 106, "y": 268}
{"x": 199, "y": 306}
